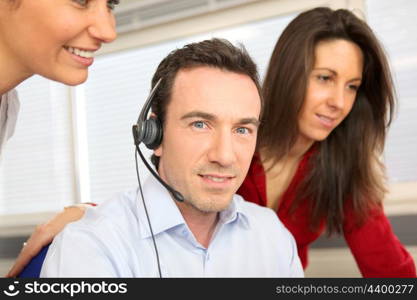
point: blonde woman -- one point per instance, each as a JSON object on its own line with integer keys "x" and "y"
{"x": 56, "y": 39}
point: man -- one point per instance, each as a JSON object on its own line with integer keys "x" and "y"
{"x": 209, "y": 106}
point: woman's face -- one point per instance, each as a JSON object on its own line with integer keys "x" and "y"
{"x": 331, "y": 88}
{"x": 55, "y": 38}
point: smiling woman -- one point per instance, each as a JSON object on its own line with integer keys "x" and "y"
{"x": 56, "y": 39}
{"x": 329, "y": 100}
{"x": 331, "y": 89}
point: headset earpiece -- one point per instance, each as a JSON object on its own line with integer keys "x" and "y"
{"x": 152, "y": 135}
{"x": 148, "y": 130}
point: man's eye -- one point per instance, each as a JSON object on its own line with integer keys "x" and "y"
{"x": 199, "y": 124}
{"x": 242, "y": 130}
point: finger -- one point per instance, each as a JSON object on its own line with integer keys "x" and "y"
{"x": 24, "y": 257}
{"x": 22, "y": 260}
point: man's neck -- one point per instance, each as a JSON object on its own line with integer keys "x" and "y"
{"x": 201, "y": 224}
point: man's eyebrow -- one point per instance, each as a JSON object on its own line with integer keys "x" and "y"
{"x": 211, "y": 117}
{"x": 255, "y": 122}
{"x": 198, "y": 114}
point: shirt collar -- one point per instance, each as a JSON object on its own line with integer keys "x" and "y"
{"x": 236, "y": 212}
{"x": 164, "y": 213}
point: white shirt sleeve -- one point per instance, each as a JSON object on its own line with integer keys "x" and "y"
{"x": 296, "y": 268}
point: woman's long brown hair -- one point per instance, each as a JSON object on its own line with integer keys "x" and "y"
{"x": 346, "y": 167}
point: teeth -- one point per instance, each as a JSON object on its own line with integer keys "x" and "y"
{"x": 216, "y": 179}
{"x": 325, "y": 118}
{"x": 79, "y": 52}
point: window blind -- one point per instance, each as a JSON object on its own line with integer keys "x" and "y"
{"x": 394, "y": 24}
{"x": 36, "y": 173}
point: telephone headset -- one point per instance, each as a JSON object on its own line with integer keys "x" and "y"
{"x": 149, "y": 132}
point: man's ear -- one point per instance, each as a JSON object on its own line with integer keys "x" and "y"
{"x": 158, "y": 151}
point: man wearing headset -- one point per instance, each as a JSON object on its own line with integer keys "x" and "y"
{"x": 206, "y": 98}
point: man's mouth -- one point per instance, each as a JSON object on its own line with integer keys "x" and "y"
{"x": 217, "y": 178}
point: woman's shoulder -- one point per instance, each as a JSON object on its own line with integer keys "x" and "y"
{"x": 9, "y": 109}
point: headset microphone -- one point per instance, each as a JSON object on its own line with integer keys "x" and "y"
{"x": 149, "y": 131}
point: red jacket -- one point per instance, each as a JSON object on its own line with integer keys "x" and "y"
{"x": 376, "y": 249}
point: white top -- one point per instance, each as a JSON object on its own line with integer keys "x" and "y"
{"x": 113, "y": 240}
{"x": 9, "y": 108}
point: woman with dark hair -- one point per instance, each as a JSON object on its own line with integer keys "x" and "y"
{"x": 329, "y": 99}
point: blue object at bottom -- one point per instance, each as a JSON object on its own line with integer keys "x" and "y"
{"x": 33, "y": 269}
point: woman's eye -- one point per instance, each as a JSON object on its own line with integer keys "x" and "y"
{"x": 323, "y": 77}
{"x": 81, "y": 2}
{"x": 354, "y": 87}
{"x": 112, "y": 4}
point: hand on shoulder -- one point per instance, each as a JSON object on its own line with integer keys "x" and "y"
{"x": 45, "y": 233}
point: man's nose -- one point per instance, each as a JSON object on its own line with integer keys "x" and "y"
{"x": 222, "y": 149}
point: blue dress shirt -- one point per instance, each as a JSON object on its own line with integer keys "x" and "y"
{"x": 114, "y": 240}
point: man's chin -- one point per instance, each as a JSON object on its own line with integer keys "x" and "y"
{"x": 209, "y": 202}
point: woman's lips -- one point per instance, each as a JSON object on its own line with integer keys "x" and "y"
{"x": 326, "y": 121}
{"x": 83, "y": 57}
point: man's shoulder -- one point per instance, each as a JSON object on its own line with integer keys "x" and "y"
{"x": 261, "y": 216}
{"x": 256, "y": 211}
{"x": 116, "y": 213}
{"x": 103, "y": 233}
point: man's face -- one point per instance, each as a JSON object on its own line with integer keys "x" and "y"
{"x": 209, "y": 135}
